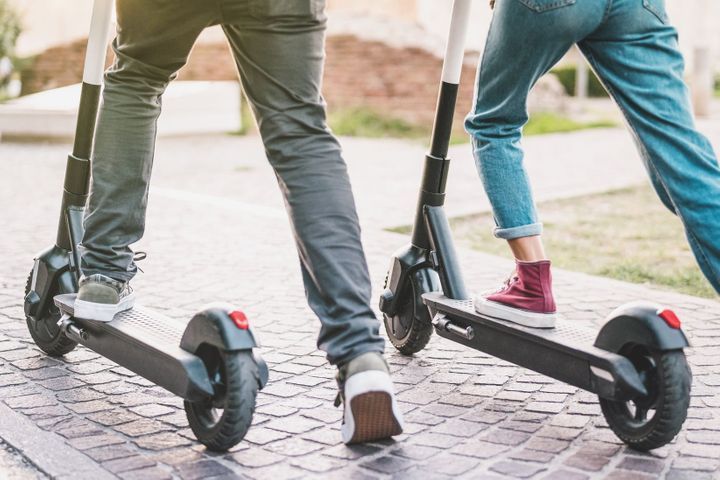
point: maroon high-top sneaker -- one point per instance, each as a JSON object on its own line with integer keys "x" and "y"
{"x": 526, "y": 298}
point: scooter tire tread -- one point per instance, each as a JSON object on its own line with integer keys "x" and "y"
{"x": 57, "y": 347}
{"x": 243, "y": 381}
{"x": 670, "y": 416}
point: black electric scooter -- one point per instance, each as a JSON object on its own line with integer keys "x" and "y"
{"x": 208, "y": 361}
{"x": 635, "y": 364}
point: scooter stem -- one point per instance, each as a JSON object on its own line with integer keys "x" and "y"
{"x": 95, "y": 55}
{"x": 77, "y": 172}
{"x": 432, "y": 190}
{"x": 452, "y": 69}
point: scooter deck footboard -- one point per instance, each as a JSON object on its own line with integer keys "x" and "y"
{"x": 565, "y": 352}
{"x": 147, "y": 343}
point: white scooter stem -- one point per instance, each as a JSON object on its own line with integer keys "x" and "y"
{"x": 455, "y": 49}
{"x": 97, "y": 42}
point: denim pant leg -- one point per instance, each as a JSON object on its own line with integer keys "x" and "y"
{"x": 153, "y": 42}
{"x": 279, "y": 50}
{"x": 525, "y": 40}
{"x": 636, "y": 56}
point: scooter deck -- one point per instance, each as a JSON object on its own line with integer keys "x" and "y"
{"x": 566, "y": 352}
{"x": 148, "y": 343}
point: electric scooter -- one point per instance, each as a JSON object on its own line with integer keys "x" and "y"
{"x": 636, "y": 363}
{"x": 208, "y": 361}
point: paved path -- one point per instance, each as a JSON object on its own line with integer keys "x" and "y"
{"x": 216, "y": 231}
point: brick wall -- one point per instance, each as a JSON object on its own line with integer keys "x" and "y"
{"x": 399, "y": 82}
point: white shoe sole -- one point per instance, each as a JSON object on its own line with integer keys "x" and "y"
{"x": 371, "y": 410}
{"x": 503, "y": 312}
{"x": 102, "y": 312}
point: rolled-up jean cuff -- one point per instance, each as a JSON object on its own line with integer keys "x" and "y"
{"x": 518, "y": 232}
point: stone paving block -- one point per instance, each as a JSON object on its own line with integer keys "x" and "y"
{"x": 151, "y": 410}
{"x": 92, "y": 406}
{"x": 254, "y": 458}
{"x": 516, "y": 469}
{"x": 138, "y": 428}
{"x": 154, "y": 473}
{"x": 294, "y": 447}
{"x": 352, "y": 452}
{"x": 688, "y": 475}
{"x": 263, "y": 436}
{"x": 31, "y": 401}
{"x": 528, "y": 455}
{"x": 388, "y": 464}
{"x": 459, "y": 427}
{"x": 94, "y": 441}
{"x": 644, "y": 465}
{"x": 697, "y": 463}
{"x": 113, "y": 417}
{"x": 162, "y": 441}
{"x": 294, "y": 425}
{"x": 505, "y": 437}
{"x": 125, "y": 464}
{"x": 317, "y": 463}
{"x": 544, "y": 444}
{"x": 587, "y": 462}
{"x": 480, "y": 449}
{"x": 565, "y": 475}
{"x": 113, "y": 452}
{"x": 78, "y": 395}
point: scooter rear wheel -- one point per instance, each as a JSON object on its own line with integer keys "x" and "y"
{"x": 410, "y": 328}
{"x": 652, "y": 421}
{"x": 221, "y": 422}
{"x": 45, "y": 332}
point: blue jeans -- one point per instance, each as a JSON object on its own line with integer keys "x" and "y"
{"x": 634, "y": 52}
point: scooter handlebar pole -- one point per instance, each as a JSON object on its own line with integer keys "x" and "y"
{"x": 77, "y": 172}
{"x": 452, "y": 69}
{"x": 97, "y": 42}
{"x": 455, "y": 49}
{"x": 95, "y": 55}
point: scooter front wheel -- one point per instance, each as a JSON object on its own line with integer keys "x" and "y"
{"x": 652, "y": 421}
{"x": 410, "y": 328}
{"x": 45, "y": 331}
{"x": 222, "y": 421}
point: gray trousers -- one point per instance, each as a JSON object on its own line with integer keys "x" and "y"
{"x": 278, "y": 46}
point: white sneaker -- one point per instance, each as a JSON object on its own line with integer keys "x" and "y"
{"x": 371, "y": 411}
{"x": 100, "y": 298}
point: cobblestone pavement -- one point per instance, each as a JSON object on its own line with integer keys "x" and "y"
{"x": 216, "y": 231}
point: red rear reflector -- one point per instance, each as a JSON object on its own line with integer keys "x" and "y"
{"x": 670, "y": 318}
{"x": 239, "y": 319}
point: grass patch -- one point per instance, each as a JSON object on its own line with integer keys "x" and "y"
{"x": 363, "y": 122}
{"x": 626, "y": 235}
{"x": 548, "y": 122}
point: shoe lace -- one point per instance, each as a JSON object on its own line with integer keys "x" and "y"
{"x": 139, "y": 257}
{"x": 512, "y": 278}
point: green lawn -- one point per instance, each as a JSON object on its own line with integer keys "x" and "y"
{"x": 627, "y": 235}
{"x": 363, "y": 122}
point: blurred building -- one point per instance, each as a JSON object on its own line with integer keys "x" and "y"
{"x": 381, "y": 54}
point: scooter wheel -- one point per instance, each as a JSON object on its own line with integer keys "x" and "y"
{"x": 410, "y": 328}
{"x": 45, "y": 332}
{"x": 652, "y": 421}
{"x": 222, "y": 421}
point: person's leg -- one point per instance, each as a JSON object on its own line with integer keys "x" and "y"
{"x": 279, "y": 51}
{"x": 636, "y": 56}
{"x": 526, "y": 38}
{"x": 153, "y": 41}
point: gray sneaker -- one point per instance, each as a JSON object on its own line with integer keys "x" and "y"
{"x": 101, "y": 297}
{"x": 371, "y": 411}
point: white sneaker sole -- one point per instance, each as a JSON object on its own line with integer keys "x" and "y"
{"x": 102, "y": 312}
{"x": 502, "y": 312}
{"x": 371, "y": 410}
